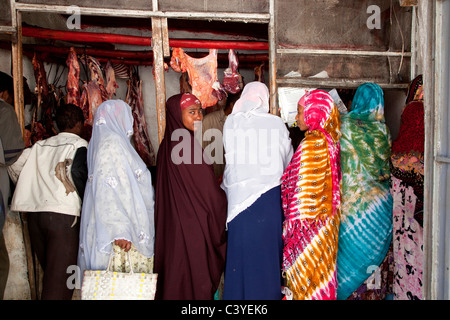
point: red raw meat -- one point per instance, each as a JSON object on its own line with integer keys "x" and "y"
{"x": 38, "y": 133}
{"x": 202, "y": 74}
{"x": 94, "y": 92}
{"x": 91, "y": 98}
{"x": 111, "y": 84}
{"x": 42, "y": 120}
{"x": 141, "y": 137}
{"x": 41, "y": 83}
{"x": 259, "y": 73}
{"x": 232, "y": 80}
{"x": 73, "y": 78}
{"x": 27, "y": 138}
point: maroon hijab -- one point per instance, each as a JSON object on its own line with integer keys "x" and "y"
{"x": 190, "y": 219}
{"x": 411, "y": 136}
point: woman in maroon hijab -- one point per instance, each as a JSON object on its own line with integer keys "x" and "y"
{"x": 190, "y": 210}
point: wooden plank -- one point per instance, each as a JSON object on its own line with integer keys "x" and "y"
{"x": 222, "y": 16}
{"x": 155, "y": 5}
{"x": 17, "y": 65}
{"x": 273, "y": 101}
{"x": 7, "y": 30}
{"x": 334, "y": 83}
{"x": 343, "y": 52}
{"x": 158, "y": 65}
{"x": 165, "y": 37}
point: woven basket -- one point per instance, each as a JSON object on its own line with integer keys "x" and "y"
{"x": 112, "y": 285}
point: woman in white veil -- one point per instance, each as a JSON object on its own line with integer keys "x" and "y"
{"x": 118, "y": 206}
{"x": 257, "y": 150}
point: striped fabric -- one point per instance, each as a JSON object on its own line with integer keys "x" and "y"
{"x": 365, "y": 230}
{"x": 310, "y": 194}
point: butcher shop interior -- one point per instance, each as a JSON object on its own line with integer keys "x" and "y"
{"x": 143, "y": 52}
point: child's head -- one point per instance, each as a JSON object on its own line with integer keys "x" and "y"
{"x": 68, "y": 117}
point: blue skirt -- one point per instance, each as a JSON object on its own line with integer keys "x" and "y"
{"x": 254, "y": 251}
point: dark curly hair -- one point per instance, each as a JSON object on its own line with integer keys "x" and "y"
{"x": 68, "y": 115}
{"x": 6, "y": 83}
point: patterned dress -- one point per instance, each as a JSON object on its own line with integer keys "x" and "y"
{"x": 407, "y": 191}
{"x": 365, "y": 232}
{"x": 311, "y": 198}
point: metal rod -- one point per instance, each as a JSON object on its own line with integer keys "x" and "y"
{"x": 139, "y": 55}
{"x": 76, "y": 36}
{"x": 85, "y": 36}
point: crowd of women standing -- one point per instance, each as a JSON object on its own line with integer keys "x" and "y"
{"x": 318, "y": 222}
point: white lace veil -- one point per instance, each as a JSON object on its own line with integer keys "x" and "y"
{"x": 119, "y": 197}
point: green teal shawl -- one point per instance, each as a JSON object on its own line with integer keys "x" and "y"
{"x": 365, "y": 231}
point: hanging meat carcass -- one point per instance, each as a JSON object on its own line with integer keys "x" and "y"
{"x": 202, "y": 74}
{"x": 73, "y": 78}
{"x": 111, "y": 84}
{"x": 259, "y": 73}
{"x": 184, "y": 83}
{"x": 90, "y": 100}
{"x": 219, "y": 91}
{"x": 232, "y": 80}
{"x": 42, "y": 125}
{"x": 141, "y": 137}
{"x": 94, "y": 91}
{"x": 96, "y": 72}
{"x": 135, "y": 99}
{"x": 41, "y": 84}
{"x": 122, "y": 71}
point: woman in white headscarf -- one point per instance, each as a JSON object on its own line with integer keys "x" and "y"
{"x": 118, "y": 207}
{"x": 257, "y": 150}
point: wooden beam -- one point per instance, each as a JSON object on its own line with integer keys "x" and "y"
{"x": 158, "y": 65}
{"x": 155, "y": 5}
{"x": 17, "y": 65}
{"x": 273, "y": 103}
{"x": 220, "y": 16}
{"x": 305, "y": 51}
{"x": 334, "y": 83}
{"x": 10, "y": 30}
{"x": 165, "y": 37}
